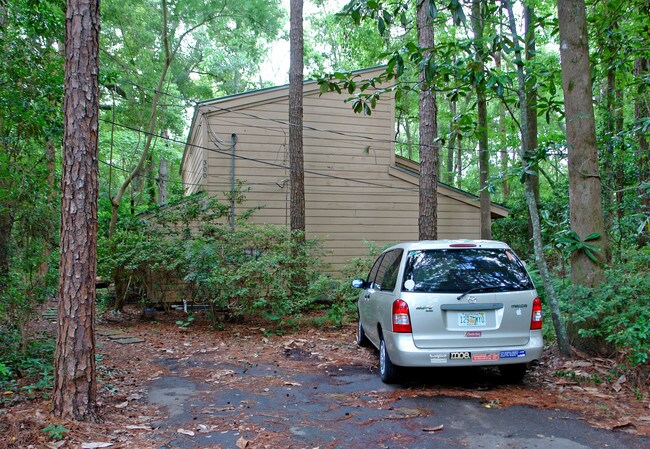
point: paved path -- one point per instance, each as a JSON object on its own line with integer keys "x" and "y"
{"x": 351, "y": 408}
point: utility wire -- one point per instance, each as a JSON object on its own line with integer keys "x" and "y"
{"x": 287, "y": 123}
{"x": 263, "y": 162}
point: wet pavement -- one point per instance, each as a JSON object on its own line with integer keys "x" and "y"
{"x": 349, "y": 407}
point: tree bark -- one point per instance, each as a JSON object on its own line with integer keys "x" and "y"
{"x": 459, "y": 161}
{"x": 6, "y": 227}
{"x": 585, "y": 198}
{"x": 75, "y": 386}
{"x": 503, "y": 151}
{"x": 162, "y": 181}
{"x": 50, "y": 161}
{"x": 428, "y": 217}
{"x": 531, "y": 143}
{"x": 642, "y": 110}
{"x": 478, "y": 25}
{"x": 296, "y": 159}
{"x": 452, "y": 144}
{"x": 531, "y": 200}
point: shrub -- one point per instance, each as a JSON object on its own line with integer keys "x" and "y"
{"x": 191, "y": 248}
{"x": 27, "y": 369}
{"x": 255, "y": 269}
{"x": 617, "y": 310}
{"x": 339, "y": 292}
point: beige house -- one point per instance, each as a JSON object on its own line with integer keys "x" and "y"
{"x": 356, "y": 188}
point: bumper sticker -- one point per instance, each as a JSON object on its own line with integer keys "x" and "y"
{"x": 484, "y": 357}
{"x": 460, "y": 355}
{"x": 512, "y": 354}
{"x": 438, "y": 358}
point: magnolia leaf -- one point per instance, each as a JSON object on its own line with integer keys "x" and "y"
{"x": 433, "y": 9}
{"x": 95, "y": 445}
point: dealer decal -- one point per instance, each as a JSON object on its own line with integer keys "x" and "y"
{"x": 512, "y": 354}
{"x": 473, "y": 334}
{"x": 438, "y": 358}
{"x": 485, "y": 357}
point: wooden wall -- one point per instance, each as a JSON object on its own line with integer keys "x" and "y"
{"x": 354, "y": 192}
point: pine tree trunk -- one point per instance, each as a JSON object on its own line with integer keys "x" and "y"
{"x": 428, "y": 217}
{"x": 75, "y": 386}
{"x": 296, "y": 159}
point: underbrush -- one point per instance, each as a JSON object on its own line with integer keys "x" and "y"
{"x": 25, "y": 373}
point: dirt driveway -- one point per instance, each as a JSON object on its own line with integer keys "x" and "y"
{"x": 167, "y": 387}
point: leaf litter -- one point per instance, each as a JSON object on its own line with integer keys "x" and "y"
{"x": 127, "y": 420}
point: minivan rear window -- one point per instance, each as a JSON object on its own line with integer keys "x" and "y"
{"x": 463, "y": 269}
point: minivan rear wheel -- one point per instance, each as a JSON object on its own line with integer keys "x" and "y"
{"x": 513, "y": 374}
{"x": 387, "y": 371}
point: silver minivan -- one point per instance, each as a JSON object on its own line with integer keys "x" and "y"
{"x": 450, "y": 303}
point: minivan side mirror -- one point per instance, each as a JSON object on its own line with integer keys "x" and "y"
{"x": 358, "y": 283}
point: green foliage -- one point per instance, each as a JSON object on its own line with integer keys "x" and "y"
{"x": 55, "y": 432}
{"x": 571, "y": 243}
{"x": 26, "y": 367}
{"x": 618, "y": 308}
{"x": 190, "y": 250}
{"x": 4, "y": 371}
{"x": 185, "y": 323}
{"x": 339, "y": 293}
{"x": 256, "y": 269}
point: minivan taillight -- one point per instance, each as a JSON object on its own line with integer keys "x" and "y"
{"x": 401, "y": 317}
{"x": 536, "y": 319}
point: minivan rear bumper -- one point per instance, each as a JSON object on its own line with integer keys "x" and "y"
{"x": 403, "y": 352}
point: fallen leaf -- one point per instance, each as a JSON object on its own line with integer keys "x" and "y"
{"x": 185, "y": 432}
{"x": 242, "y": 443}
{"x": 624, "y": 426}
{"x": 140, "y": 427}
{"x": 433, "y": 429}
{"x": 95, "y": 445}
{"x": 122, "y": 405}
{"x": 293, "y": 384}
{"x": 56, "y": 445}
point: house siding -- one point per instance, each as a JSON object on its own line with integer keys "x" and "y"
{"x": 194, "y": 164}
{"x": 350, "y": 193}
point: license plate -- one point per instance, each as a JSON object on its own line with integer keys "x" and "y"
{"x": 471, "y": 319}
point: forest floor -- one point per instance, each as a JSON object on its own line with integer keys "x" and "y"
{"x": 127, "y": 369}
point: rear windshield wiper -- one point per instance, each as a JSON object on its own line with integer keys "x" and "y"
{"x": 480, "y": 289}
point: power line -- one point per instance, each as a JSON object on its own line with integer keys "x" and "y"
{"x": 287, "y": 123}
{"x": 262, "y": 162}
